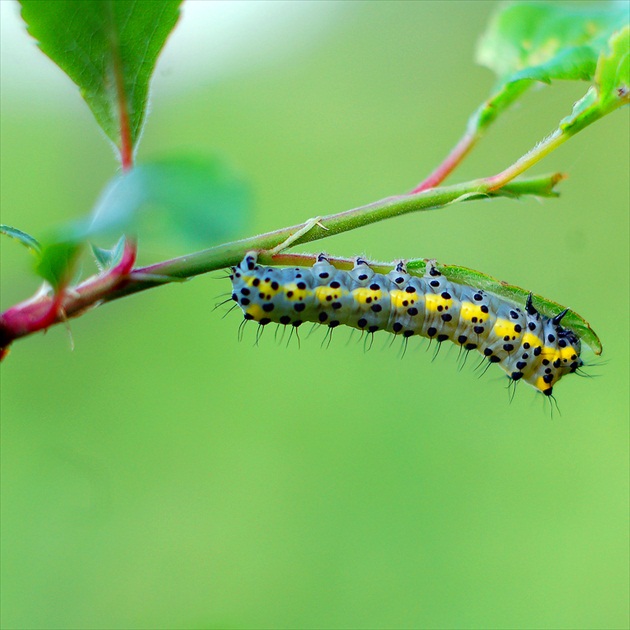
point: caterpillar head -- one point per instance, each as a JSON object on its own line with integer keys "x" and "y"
{"x": 560, "y": 355}
{"x": 569, "y": 345}
{"x": 569, "y": 348}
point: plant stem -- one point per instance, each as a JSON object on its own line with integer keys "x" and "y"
{"x": 542, "y": 149}
{"x": 450, "y": 163}
{"x": 232, "y": 253}
{"x": 18, "y": 321}
{"x": 476, "y": 128}
{"x": 555, "y": 139}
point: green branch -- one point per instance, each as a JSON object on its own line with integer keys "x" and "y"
{"x": 23, "y": 319}
{"x": 231, "y": 253}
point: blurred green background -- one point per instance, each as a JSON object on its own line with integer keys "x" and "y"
{"x": 165, "y": 475}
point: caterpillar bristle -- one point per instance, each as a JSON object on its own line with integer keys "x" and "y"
{"x": 239, "y": 334}
{"x": 559, "y": 317}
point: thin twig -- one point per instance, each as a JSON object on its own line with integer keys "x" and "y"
{"x": 18, "y": 321}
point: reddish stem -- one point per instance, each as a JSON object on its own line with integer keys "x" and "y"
{"x": 50, "y": 316}
{"x": 126, "y": 149}
{"x": 19, "y": 320}
{"x": 454, "y": 158}
{"x": 126, "y": 143}
{"x": 41, "y": 312}
{"x": 30, "y": 316}
{"x": 127, "y": 260}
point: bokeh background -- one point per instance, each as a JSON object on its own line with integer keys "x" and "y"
{"x": 162, "y": 474}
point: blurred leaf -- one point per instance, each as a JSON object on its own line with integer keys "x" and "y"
{"x": 27, "y": 240}
{"x": 536, "y": 41}
{"x": 478, "y": 280}
{"x": 613, "y": 71}
{"x": 545, "y": 41}
{"x": 109, "y": 49}
{"x": 198, "y": 199}
{"x": 612, "y": 87}
{"x": 57, "y": 260}
{"x": 108, "y": 258}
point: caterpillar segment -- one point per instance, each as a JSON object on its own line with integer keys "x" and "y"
{"x": 527, "y": 345}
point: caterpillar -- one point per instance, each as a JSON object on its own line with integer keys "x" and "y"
{"x": 526, "y": 344}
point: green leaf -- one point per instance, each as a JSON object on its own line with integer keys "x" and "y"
{"x": 534, "y": 41}
{"x": 198, "y": 200}
{"x": 109, "y": 49}
{"x": 27, "y": 240}
{"x": 478, "y": 280}
{"x": 546, "y": 41}
{"x": 613, "y": 71}
{"x": 57, "y": 261}
{"x": 612, "y": 89}
{"x": 108, "y": 258}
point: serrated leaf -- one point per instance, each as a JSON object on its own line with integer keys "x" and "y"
{"x": 30, "y": 242}
{"x": 108, "y": 258}
{"x": 478, "y": 280}
{"x": 195, "y": 199}
{"x": 109, "y": 49}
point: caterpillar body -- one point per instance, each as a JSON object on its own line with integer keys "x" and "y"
{"x": 528, "y": 345}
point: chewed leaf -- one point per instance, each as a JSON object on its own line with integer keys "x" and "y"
{"x": 195, "y": 199}
{"x": 109, "y": 49}
{"x": 478, "y": 280}
{"x": 27, "y": 240}
{"x": 534, "y": 41}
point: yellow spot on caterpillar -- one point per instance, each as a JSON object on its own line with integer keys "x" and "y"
{"x": 325, "y": 295}
{"x": 504, "y": 328}
{"x": 550, "y": 353}
{"x": 265, "y": 287}
{"x": 255, "y": 311}
{"x": 469, "y": 311}
{"x": 401, "y": 299}
{"x": 533, "y": 340}
{"x": 365, "y": 297}
{"x": 293, "y": 294}
{"x": 434, "y": 301}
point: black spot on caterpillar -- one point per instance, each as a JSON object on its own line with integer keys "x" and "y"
{"x": 529, "y": 346}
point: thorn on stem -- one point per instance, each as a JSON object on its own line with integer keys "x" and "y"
{"x": 50, "y": 316}
{"x": 127, "y": 260}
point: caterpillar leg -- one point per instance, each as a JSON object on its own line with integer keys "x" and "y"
{"x": 308, "y": 226}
